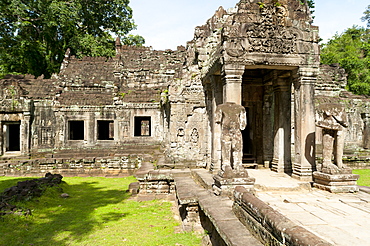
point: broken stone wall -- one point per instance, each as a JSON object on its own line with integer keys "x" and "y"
{"x": 332, "y": 80}
{"x": 187, "y": 142}
{"x": 330, "y": 88}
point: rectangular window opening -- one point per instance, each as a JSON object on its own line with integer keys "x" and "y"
{"x": 142, "y": 126}
{"x": 76, "y": 130}
{"x": 105, "y": 130}
{"x": 13, "y": 142}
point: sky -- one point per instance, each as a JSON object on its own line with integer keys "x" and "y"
{"x": 166, "y": 24}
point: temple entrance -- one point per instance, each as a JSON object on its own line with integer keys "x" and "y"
{"x": 253, "y": 91}
{"x": 266, "y": 95}
{"x": 12, "y": 136}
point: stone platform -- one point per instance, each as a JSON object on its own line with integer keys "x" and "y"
{"x": 336, "y": 183}
{"x": 340, "y": 219}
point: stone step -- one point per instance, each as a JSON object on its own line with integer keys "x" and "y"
{"x": 217, "y": 209}
{"x": 203, "y": 177}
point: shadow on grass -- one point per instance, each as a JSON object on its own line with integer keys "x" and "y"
{"x": 59, "y": 221}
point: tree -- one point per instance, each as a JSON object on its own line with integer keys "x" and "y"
{"x": 34, "y": 35}
{"x": 351, "y": 50}
{"x": 366, "y": 17}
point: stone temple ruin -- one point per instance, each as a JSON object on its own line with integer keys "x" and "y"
{"x": 109, "y": 116}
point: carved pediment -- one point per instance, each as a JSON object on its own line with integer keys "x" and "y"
{"x": 263, "y": 28}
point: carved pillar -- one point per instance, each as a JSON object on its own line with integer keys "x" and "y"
{"x": 268, "y": 124}
{"x": 25, "y": 133}
{"x": 282, "y": 124}
{"x": 232, "y": 75}
{"x": 217, "y": 98}
{"x": 304, "y": 114}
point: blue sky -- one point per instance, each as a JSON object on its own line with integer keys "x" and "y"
{"x": 165, "y": 24}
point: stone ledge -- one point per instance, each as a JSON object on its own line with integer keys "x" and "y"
{"x": 267, "y": 224}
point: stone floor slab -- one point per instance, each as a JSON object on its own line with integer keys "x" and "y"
{"x": 341, "y": 219}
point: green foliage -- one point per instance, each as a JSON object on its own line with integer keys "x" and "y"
{"x": 366, "y": 17}
{"x": 311, "y": 5}
{"x": 351, "y": 50}
{"x": 34, "y": 35}
{"x": 99, "y": 211}
{"x": 364, "y": 176}
{"x": 261, "y": 5}
{"x": 133, "y": 40}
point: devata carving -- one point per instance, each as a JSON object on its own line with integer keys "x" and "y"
{"x": 194, "y": 137}
{"x": 333, "y": 121}
{"x": 232, "y": 118}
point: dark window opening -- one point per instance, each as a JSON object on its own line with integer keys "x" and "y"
{"x": 13, "y": 142}
{"x": 76, "y": 130}
{"x": 142, "y": 126}
{"x": 105, "y": 130}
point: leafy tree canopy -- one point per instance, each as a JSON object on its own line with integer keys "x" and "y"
{"x": 351, "y": 50}
{"x": 34, "y": 35}
{"x": 366, "y": 17}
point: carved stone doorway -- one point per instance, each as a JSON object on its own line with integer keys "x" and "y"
{"x": 253, "y": 90}
{"x": 266, "y": 95}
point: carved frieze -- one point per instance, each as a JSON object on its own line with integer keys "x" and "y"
{"x": 268, "y": 33}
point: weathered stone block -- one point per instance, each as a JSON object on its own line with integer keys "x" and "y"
{"x": 336, "y": 183}
{"x": 226, "y": 186}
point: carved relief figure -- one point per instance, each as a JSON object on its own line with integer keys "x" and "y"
{"x": 232, "y": 118}
{"x": 194, "y": 136}
{"x": 333, "y": 121}
{"x": 366, "y": 131}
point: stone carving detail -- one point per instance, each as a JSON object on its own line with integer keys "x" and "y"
{"x": 46, "y": 136}
{"x": 269, "y": 34}
{"x": 232, "y": 118}
{"x": 333, "y": 121}
{"x": 236, "y": 47}
{"x": 366, "y": 131}
{"x": 271, "y": 39}
{"x": 194, "y": 136}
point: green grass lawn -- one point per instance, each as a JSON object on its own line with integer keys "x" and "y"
{"x": 98, "y": 212}
{"x": 364, "y": 176}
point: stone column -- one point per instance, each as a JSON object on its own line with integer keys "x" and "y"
{"x": 25, "y": 133}
{"x": 304, "y": 117}
{"x": 90, "y": 130}
{"x": 217, "y": 98}
{"x": 232, "y": 75}
{"x": 268, "y": 125}
{"x": 282, "y": 124}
